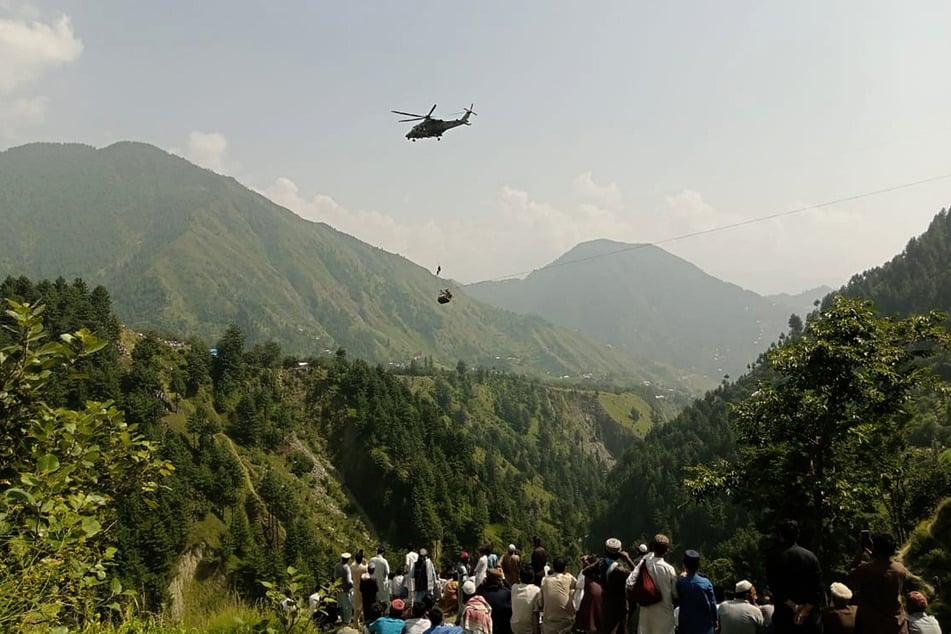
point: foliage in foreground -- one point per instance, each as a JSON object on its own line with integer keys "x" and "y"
{"x": 60, "y": 473}
{"x": 825, "y": 440}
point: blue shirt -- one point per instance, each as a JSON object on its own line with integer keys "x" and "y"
{"x": 698, "y": 606}
{"x": 386, "y": 625}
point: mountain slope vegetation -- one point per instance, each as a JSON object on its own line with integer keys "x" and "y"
{"x": 185, "y": 250}
{"x": 641, "y": 299}
{"x": 648, "y": 491}
{"x": 280, "y": 461}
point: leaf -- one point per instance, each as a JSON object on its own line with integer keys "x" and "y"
{"x": 115, "y": 586}
{"x": 48, "y": 463}
{"x": 91, "y": 526}
{"x": 20, "y": 494}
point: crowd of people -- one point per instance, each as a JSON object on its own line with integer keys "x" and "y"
{"x": 617, "y": 591}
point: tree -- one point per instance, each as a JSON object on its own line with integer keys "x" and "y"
{"x": 228, "y": 367}
{"x": 61, "y": 472}
{"x": 822, "y": 441}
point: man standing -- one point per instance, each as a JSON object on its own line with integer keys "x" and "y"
{"x": 511, "y": 563}
{"x": 424, "y": 576}
{"x": 408, "y": 563}
{"x": 539, "y": 559}
{"x": 698, "y": 605}
{"x": 525, "y": 601}
{"x": 344, "y": 575}
{"x": 381, "y": 570}
{"x": 740, "y": 614}
{"x": 614, "y": 569}
{"x": 794, "y": 577}
{"x": 556, "y": 599}
{"x": 657, "y": 618}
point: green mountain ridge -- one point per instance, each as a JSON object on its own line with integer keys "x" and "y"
{"x": 649, "y": 494}
{"x": 644, "y": 300}
{"x": 188, "y": 251}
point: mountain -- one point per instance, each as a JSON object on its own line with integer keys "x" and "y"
{"x": 182, "y": 249}
{"x": 801, "y": 303}
{"x": 647, "y": 493}
{"x": 644, "y": 300}
{"x": 916, "y": 280}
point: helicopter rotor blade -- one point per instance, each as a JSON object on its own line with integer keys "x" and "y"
{"x": 413, "y": 119}
{"x": 431, "y": 110}
{"x": 409, "y": 114}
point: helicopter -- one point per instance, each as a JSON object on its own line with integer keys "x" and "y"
{"x": 430, "y": 127}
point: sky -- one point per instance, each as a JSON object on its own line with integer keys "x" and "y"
{"x": 633, "y": 121}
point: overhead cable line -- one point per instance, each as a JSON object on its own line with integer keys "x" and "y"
{"x": 734, "y": 225}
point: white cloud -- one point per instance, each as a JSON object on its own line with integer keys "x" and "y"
{"x": 608, "y": 195}
{"x": 30, "y": 46}
{"x": 519, "y": 234}
{"x": 208, "y": 149}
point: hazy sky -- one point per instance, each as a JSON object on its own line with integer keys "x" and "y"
{"x": 636, "y": 121}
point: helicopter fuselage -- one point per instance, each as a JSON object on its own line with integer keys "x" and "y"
{"x": 435, "y": 127}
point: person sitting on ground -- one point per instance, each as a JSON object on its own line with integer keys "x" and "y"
{"x": 839, "y": 618}
{"x": 476, "y": 617}
{"x": 438, "y": 626}
{"x": 918, "y": 621}
{"x": 419, "y": 621}
{"x": 392, "y": 623}
{"x": 740, "y": 615}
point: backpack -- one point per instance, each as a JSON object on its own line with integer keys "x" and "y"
{"x": 421, "y": 574}
{"x": 644, "y": 591}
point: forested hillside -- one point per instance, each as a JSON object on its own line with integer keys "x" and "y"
{"x": 648, "y": 492}
{"x": 641, "y": 299}
{"x": 285, "y": 461}
{"x": 186, "y": 251}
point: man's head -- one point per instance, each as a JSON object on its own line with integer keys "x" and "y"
{"x": 494, "y": 577}
{"x": 397, "y": 607}
{"x": 423, "y": 553}
{"x": 380, "y": 550}
{"x": 560, "y": 564}
{"x": 744, "y": 590}
{"x": 512, "y": 548}
{"x": 468, "y": 589}
{"x": 371, "y": 568}
{"x": 419, "y": 610}
{"x": 526, "y": 574}
{"x": 788, "y": 530}
{"x": 612, "y": 547}
{"x": 841, "y": 594}
{"x": 464, "y": 556}
{"x": 691, "y": 561}
{"x": 917, "y": 602}
{"x": 660, "y": 545}
{"x": 536, "y": 541}
{"x": 435, "y": 616}
{"x": 883, "y": 545}
{"x": 345, "y": 556}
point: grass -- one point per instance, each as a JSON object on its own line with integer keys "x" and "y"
{"x": 619, "y": 406}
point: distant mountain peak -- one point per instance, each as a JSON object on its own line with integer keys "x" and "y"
{"x": 641, "y": 298}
